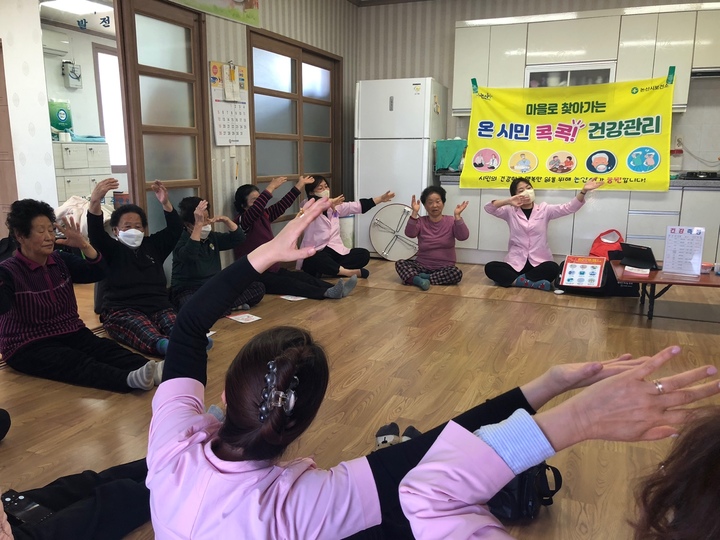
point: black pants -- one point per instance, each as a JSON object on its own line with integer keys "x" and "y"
{"x": 295, "y": 283}
{"x": 327, "y": 261}
{"x": 504, "y": 275}
{"x": 390, "y": 465}
{"x": 79, "y": 358}
{"x": 107, "y": 505}
{"x": 4, "y": 423}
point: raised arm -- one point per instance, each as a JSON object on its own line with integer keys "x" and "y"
{"x": 96, "y": 232}
{"x": 186, "y": 355}
{"x": 411, "y": 227}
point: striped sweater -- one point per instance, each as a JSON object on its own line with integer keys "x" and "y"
{"x": 38, "y": 302}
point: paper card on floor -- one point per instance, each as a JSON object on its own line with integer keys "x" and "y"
{"x": 244, "y": 318}
{"x": 293, "y": 298}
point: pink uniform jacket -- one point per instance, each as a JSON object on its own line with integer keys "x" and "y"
{"x": 325, "y": 230}
{"x": 528, "y": 237}
{"x": 444, "y": 496}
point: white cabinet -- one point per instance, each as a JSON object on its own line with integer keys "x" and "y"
{"x": 636, "y": 52}
{"x": 472, "y": 49}
{"x": 700, "y": 209}
{"x": 78, "y": 167}
{"x": 471, "y": 215}
{"x": 492, "y": 55}
{"x": 540, "y": 76}
{"x": 649, "y": 215}
{"x": 560, "y": 230}
{"x": 674, "y": 47}
{"x": 494, "y": 232}
{"x": 506, "y": 67}
{"x": 707, "y": 41}
{"x": 603, "y": 210}
{"x": 576, "y": 40}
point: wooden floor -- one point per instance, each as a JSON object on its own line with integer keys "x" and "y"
{"x": 400, "y": 354}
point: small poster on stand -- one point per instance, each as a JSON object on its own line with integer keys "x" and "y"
{"x": 584, "y": 272}
{"x": 683, "y": 250}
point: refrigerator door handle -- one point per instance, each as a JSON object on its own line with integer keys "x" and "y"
{"x": 391, "y": 103}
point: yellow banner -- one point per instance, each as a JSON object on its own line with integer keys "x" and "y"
{"x": 559, "y": 138}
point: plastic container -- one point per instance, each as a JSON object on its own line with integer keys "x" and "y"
{"x": 676, "y": 159}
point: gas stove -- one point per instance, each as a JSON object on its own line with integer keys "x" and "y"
{"x": 700, "y": 175}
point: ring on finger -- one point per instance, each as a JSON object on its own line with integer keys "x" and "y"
{"x": 659, "y": 386}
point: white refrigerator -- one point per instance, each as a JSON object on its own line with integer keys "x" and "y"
{"x": 397, "y": 122}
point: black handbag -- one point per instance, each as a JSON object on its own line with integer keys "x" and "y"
{"x": 522, "y": 497}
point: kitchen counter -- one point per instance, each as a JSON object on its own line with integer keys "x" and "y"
{"x": 454, "y": 179}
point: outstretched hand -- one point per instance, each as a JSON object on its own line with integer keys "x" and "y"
{"x": 415, "y": 205}
{"x": 199, "y": 212}
{"x": 626, "y": 407}
{"x": 283, "y": 248}
{"x": 593, "y": 184}
{"x": 73, "y": 235}
{"x": 519, "y": 200}
{"x": 459, "y": 209}
{"x": 161, "y": 193}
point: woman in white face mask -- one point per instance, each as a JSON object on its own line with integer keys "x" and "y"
{"x": 529, "y": 261}
{"x": 332, "y": 257}
{"x": 196, "y": 257}
{"x": 136, "y": 309}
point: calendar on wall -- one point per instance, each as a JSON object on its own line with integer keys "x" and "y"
{"x": 230, "y": 119}
{"x": 683, "y": 250}
{"x": 229, "y": 104}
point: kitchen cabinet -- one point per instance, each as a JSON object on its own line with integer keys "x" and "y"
{"x": 674, "y": 47}
{"x": 506, "y": 67}
{"x": 636, "y": 51}
{"x": 603, "y": 210}
{"x": 576, "y": 40}
{"x": 707, "y": 41}
{"x": 700, "y": 209}
{"x": 649, "y": 215}
{"x": 472, "y": 50}
{"x": 78, "y": 167}
{"x": 581, "y": 74}
{"x": 471, "y": 215}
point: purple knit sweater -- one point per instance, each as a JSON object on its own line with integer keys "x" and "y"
{"x": 37, "y": 302}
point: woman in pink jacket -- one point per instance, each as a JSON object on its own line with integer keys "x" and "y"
{"x": 529, "y": 261}
{"x": 211, "y": 478}
{"x": 332, "y": 257}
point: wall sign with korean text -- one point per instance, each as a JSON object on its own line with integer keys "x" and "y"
{"x": 561, "y": 137}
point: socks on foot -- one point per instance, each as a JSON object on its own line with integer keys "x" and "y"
{"x": 162, "y": 346}
{"x": 240, "y": 307}
{"x": 364, "y": 273}
{"x": 157, "y": 375}
{"x": 522, "y": 281}
{"x": 217, "y": 412}
{"x": 387, "y": 435}
{"x": 349, "y": 285}
{"x": 142, "y": 378}
{"x": 210, "y": 344}
{"x": 424, "y": 275}
{"x": 410, "y": 433}
{"x": 336, "y": 291}
{"x": 424, "y": 284}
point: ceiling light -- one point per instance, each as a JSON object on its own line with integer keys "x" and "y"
{"x": 76, "y": 7}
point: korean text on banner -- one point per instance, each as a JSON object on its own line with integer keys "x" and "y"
{"x": 561, "y": 137}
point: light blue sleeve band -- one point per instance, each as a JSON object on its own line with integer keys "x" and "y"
{"x": 518, "y": 441}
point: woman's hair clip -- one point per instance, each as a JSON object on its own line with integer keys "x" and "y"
{"x": 272, "y": 397}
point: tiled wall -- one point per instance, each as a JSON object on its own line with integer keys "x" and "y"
{"x": 699, "y": 126}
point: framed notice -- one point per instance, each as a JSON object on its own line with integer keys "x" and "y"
{"x": 584, "y": 272}
{"x": 683, "y": 250}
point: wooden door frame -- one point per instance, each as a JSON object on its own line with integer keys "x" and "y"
{"x": 129, "y": 77}
{"x": 336, "y": 99}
